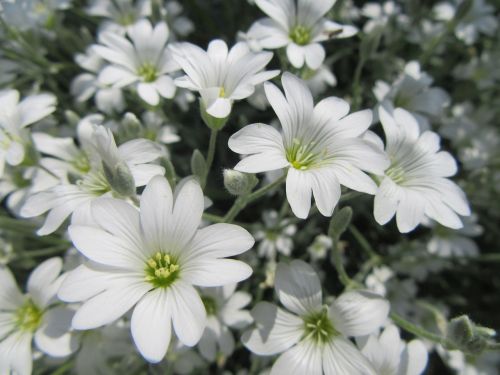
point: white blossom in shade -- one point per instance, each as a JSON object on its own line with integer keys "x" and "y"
{"x": 15, "y": 116}
{"x": 312, "y": 337}
{"x": 224, "y": 306}
{"x": 412, "y": 91}
{"x": 85, "y": 169}
{"x": 300, "y": 26}
{"x": 390, "y": 355}
{"x": 480, "y": 19}
{"x": 181, "y": 25}
{"x": 142, "y": 60}
{"x": 86, "y": 85}
{"x": 119, "y": 15}
{"x": 221, "y": 76}
{"x": 320, "y": 145}
{"x": 320, "y": 247}
{"x": 415, "y": 186}
{"x": 33, "y": 317}
{"x": 276, "y": 235}
{"x": 153, "y": 259}
{"x": 456, "y": 243}
{"x": 484, "y": 364}
{"x": 31, "y": 14}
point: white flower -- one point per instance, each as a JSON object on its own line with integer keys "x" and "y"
{"x": 380, "y": 14}
{"x": 389, "y": 355}
{"x": 479, "y": 19}
{"x": 320, "y": 145}
{"x": 85, "y": 85}
{"x": 319, "y": 248}
{"x": 275, "y": 236}
{"x": 152, "y": 260}
{"x": 412, "y": 91}
{"x": 224, "y": 306}
{"x": 15, "y": 116}
{"x": 86, "y": 169}
{"x": 221, "y": 76}
{"x": 313, "y": 338}
{"x": 416, "y": 186}
{"x": 299, "y": 26}
{"x": 119, "y": 14}
{"x": 30, "y": 14}
{"x": 143, "y": 61}
{"x": 33, "y": 315}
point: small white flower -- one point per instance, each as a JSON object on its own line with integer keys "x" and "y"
{"x": 389, "y": 355}
{"x": 15, "y": 116}
{"x": 299, "y": 26}
{"x": 30, "y": 14}
{"x": 275, "y": 236}
{"x": 119, "y": 15}
{"x": 85, "y": 168}
{"x": 152, "y": 260}
{"x": 221, "y": 76}
{"x": 320, "y": 145}
{"x": 24, "y": 317}
{"x": 312, "y": 337}
{"x": 415, "y": 185}
{"x": 320, "y": 246}
{"x": 412, "y": 91}
{"x": 224, "y": 306}
{"x": 142, "y": 60}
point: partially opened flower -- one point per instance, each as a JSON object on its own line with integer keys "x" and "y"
{"x": 141, "y": 60}
{"x": 312, "y": 337}
{"x": 299, "y": 26}
{"x": 320, "y": 145}
{"x": 151, "y": 259}
{"x": 224, "y": 306}
{"x": 390, "y": 355}
{"x": 415, "y": 186}
{"x": 15, "y": 116}
{"x": 24, "y": 317}
{"x": 221, "y": 76}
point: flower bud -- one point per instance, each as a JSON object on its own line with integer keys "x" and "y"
{"x": 467, "y": 336}
{"x": 239, "y": 183}
{"x": 120, "y": 178}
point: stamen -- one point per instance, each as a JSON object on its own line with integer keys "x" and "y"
{"x": 161, "y": 270}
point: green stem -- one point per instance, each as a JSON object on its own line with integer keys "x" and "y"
{"x": 211, "y": 149}
{"x": 336, "y": 258}
{"x": 241, "y": 202}
{"x": 421, "y": 332}
{"x": 63, "y": 369}
{"x": 44, "y": 252}
{"x": 356, "y": 87}
{"x": 363, "y": 242}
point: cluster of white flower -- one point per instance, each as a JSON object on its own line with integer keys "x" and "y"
{"x": 138, "y": 249}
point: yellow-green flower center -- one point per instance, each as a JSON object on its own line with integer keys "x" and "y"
{"x": 148, "y": 72}
{"x": 319, "y": 328}
{"x": 161, "y": 270}
{"x": 222, "y": 92}
{"x": 396, "y": 174}
{"x": 29, "y": 316}
{"x": 302, "y": 156}
{"x": 301, "y": 35}
{"x": 210, "y": 305}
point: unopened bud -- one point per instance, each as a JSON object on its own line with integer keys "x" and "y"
{"x": 468, "y": 337}
{"x": 460, "y": 330}
{"x": 120, "y": 178}
{"x": 239, "y": 183}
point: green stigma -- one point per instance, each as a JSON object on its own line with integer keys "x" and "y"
{"x": 210, "y": 305}
{"x": 301, "y": 35}
{"x": 222, "y": 92}
{"x": 396, "y": 174}
{"x": 29, "y": 316}
{"x": 301, "y": 156}
{"x": 161, "y": 270}
{"x": 319, "y": 328}
{"x": 148, "y": 72}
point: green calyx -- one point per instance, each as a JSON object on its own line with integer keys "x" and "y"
{"x": 161, "y": 270}
{"x": 319, "y": 328}
{"x": 210, "y": 305}
{"x": 29, "y": 316}
{"x": 301, "y": 35}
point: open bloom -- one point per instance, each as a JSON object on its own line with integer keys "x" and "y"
{"x": 389, "y": 355}
{"x": 219, "y": 75}
{"x": 415, "y": 185}
{"x": 299, "y": 26}
{"x": 320, "y": 145}
{"x": 33, "y": 315}
{"x": 119, "y": 15}
{"x": 151, "y": 259}
{"x": 93, "y": 170}
{"x": 15, "y": 116}
{"x": 143, "y": 61}
{"x": 314, "y": 337}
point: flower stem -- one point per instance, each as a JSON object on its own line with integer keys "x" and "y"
{"x": 241, "y": 202}
{"x": 211, "y": 149}
{"x": 363, "y": 242}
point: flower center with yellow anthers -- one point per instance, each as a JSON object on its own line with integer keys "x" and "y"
{"x": 301, "y": 35}
{"x": 302, "y": 156}
{"x": 319, "y": 328}
{"x": 396, "y": 174}
{"x": 148, "y": 72}
{"x": 126, "y": 18}
{"x": 210, "y": 305}
{"x": 29, "y": 317}
{"x": 161, "y": 270}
